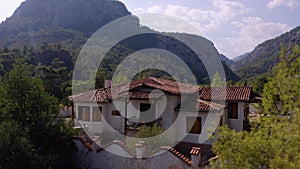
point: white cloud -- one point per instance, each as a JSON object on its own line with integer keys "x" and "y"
{"x": 207, "y": 20}
{"x": 289, "y": 3}
{"x": 251, "y": 32}
{"x": 226, "y": 23}
{"x": 228, "y": 9}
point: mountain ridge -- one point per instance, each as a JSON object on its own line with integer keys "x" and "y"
{"x": 71, "y": 22}
{"x": 70, "y": 17}
{"x": 265, "y": 55}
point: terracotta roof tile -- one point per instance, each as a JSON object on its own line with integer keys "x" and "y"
{"x": 175, "y": 153}
{"x": 129, "y": 90}
{"x": 140, "y": 95}
{"x": 207, "y": 105}
{"x": 231, "y": 93}
{"x": 123, "y": 145}
{"x": 199, "y": 105}
{"x": 83, "y": 97}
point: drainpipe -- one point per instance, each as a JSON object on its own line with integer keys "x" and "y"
{"x": 125, "y": 125}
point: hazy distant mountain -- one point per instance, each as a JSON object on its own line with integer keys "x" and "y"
{"x": 265, "y": 55}
{"x": 240, "y": 57}
{"x": 226, "y": 60}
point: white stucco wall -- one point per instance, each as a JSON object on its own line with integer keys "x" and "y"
{"x": 237, "y": 124}
{"x": 181, "y": 126}
{"x": 164, "y": 110}
{"x": 96, "y": 127}
{"x": 168, "y": 116}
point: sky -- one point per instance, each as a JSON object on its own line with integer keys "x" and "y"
{"x": 234, "y": 26}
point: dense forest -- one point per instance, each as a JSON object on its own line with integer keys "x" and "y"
{"x": 31, "y": 134}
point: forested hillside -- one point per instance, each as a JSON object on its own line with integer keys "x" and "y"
{"x": 69, "y": 22}
{"x": 50, "y": 35}
{"x": 263, "y": 58}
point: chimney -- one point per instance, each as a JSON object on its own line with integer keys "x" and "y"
{"x": 245, "y": 83}
{"x": 107, "y": 83}
{"x": 196, "y": 156}
{"x": 96, "y": 141}
{"x": 140, "y": 148}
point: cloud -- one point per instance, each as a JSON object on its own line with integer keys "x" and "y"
{"x": 251, "y": 31}
{"x": 289, "y": 3}
{"x": 206, "y": 19}
{"x": 225, "y": 22}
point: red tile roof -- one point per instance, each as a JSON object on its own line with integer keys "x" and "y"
{"x": 199, "y": 105}
{"x": 107, "y": 94}
{"x": 83, "y": 97}
{"x": 162, "y": 84}
{"x": 203, "y": 105}
{"x": 140, "y": 95}
{"x": 175, "y": 153}
{"x": 231, "y": 93}
{"x": 131, "y": 90}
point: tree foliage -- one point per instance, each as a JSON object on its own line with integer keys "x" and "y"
{"x": 274, "y": 141}
{"x": 33, "y": 137}
{"x": 217, "y": 80}
{"x": 282, "y": 93}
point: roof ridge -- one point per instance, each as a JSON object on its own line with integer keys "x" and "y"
{"x": 122, "y": 144}
{"x": 93, "y": 95}
{"x": 175, "y": 152}
{"x": 211, "y": 104}
{"x": 156, "y": 79}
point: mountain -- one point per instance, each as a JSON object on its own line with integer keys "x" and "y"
{"x": 68, "y": 24}
{"x": 266, "y": 55}
{"x": 240, "y": 57}
{"x": 51, "y": 21}
{"x": 226, "y": 60}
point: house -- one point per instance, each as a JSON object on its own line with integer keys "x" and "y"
{"x": 187, "y": 109}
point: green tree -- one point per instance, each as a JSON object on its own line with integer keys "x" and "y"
{"x": 16, "y": 149}
{"x": 281, "y": 93}
{"x": 274, "y": 141}
{"x": 26, "y": 106}
{"x": 217, "y": 80}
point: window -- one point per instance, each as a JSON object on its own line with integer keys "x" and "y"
{"x": 116, "y": 113}
{"x": 147, "y": 113}
{"x": 193, "y": 125}
{"x": 144, "y": 106}
{"x": 97, "y": 114}
{"x": 221, "y": 121}
{"x": 233, "y": 110}
{"x": 84, "y": 113}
